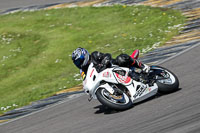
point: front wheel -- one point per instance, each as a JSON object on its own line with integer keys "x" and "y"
{"x": 167, "y": 81}
{"x": 114, "y": 101}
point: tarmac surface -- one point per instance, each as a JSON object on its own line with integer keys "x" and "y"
{"x": 178, "y": 112}
{"x": 9, "y": 4}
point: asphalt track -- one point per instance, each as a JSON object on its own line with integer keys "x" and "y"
{"x": 178, "y": 112}
{"x": 8, "y": 4}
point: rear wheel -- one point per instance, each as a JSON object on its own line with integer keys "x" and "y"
{"x": 169, "y": 84}
{"x": 114, "y": 101}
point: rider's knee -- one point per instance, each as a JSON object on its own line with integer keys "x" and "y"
{"x": 124, "y": 60}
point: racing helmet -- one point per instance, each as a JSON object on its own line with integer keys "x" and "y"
{"x": 80, "y": 57}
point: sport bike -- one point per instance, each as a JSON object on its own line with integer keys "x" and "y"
{"x": 116, "y": 89}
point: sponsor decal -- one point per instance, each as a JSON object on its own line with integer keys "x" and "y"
{"x": 123, "y": 79}
{"x": 91, "y": 72}
{"x": 139, "y": 92}
{"x": 149, "y": 89}
{"x": 106, "y": 74}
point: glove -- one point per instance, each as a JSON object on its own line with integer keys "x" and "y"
{"x": 107, "y": 60}
{"x": 145, "y": 68}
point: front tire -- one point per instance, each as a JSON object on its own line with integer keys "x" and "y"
{"x": 120, "y": 103}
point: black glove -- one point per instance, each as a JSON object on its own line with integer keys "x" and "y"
{"x": 106, "y": 61}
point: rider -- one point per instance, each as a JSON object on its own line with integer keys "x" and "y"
{"x": 81, "y": 58}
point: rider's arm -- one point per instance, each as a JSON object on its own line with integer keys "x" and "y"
{"x": 101, "y": 60}
{"x": 106, "y": 61}
{"x": 97, "y": 57}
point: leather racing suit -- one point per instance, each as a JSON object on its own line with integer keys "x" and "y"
{"x": 102, "y": 61}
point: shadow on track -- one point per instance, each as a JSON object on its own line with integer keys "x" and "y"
{"x": 105, "y": 110}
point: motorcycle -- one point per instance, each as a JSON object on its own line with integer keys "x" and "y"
{"x": 116, "y": 89}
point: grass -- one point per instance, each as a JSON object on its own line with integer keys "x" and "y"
{"x": 36, "y": 47}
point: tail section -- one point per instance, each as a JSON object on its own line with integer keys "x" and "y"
{"x": 135, "y": 54}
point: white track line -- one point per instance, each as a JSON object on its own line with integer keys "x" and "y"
{"x": 184, "y": 51}
{"x": 45, "y": 108}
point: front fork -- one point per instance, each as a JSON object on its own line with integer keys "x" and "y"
{"x": 105, "y": 86}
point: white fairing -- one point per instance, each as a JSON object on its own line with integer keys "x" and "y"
{"x": 93, "y": 79}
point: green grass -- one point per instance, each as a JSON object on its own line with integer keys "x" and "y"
{"x": 35, "y": 47}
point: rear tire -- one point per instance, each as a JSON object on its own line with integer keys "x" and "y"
{"x": 168, "y": 88}
{"x": 103, "y": 99}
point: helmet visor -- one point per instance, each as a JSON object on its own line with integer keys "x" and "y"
{"x": 79, "y": 62}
